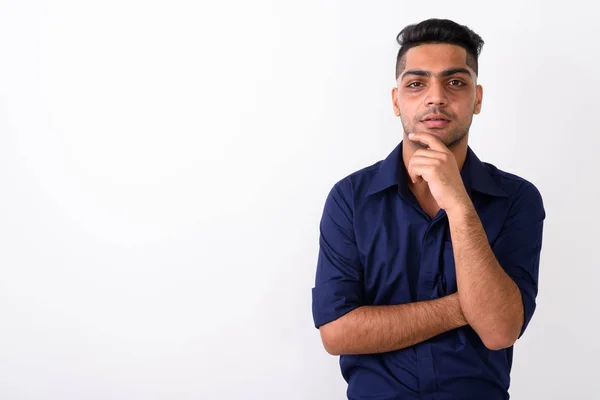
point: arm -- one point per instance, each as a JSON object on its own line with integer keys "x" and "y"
{"x": 490, "y": 299}
{"x": 378, "y": 329}
{"x": 346, "y": 323}
{"x": 493, "y": 303}
{"x": 497, "y": 285}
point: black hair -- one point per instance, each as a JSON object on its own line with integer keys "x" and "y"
{"x": 438, "y": 31}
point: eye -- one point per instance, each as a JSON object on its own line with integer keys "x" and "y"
{"x": 414, "y": 84}
{"x": 456, "y": 82}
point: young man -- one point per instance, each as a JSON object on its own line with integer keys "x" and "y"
{"x": 428, "y": 263}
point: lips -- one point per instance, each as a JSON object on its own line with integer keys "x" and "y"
{"x": 436, "y": 122}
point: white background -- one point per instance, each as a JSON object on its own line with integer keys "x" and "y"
{"x": 163, "y": 168}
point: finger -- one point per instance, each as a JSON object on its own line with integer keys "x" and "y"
{"x": 417, "y": 173}
{"x": 429, "y": 140}
{"x": 414, "y": 177}
{"x": 429, "y": 153}
{"x": 425, "y": 160}
{"x": 420, "y": 168}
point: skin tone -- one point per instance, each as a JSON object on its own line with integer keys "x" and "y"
{"x": 436, "y": 81}
{"x": 436, "y": 97}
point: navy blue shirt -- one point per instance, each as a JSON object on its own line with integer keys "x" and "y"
{"x": 378, "y": 247}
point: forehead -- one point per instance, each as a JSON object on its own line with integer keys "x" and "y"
{"x": 435, "y": 57}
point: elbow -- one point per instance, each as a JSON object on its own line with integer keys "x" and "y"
{"x": 498, "y": 335}
{"x": 499, "y": 341}
{"x": 497, "y": 344}
{"x": 332, "y": 339}
{"x": 332, "y": 349}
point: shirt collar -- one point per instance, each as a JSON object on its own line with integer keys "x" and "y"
{"x": 474, "y": 173}
{"x": 388, "y": 173}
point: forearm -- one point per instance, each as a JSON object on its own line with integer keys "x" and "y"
{"x": 490, "y": 300}
{"x": 378, "y": 329}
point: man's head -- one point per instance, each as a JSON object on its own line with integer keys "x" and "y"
{"x": 436, "y": 76}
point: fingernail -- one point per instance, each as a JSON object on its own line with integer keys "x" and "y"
{"x": 411, "y": 135}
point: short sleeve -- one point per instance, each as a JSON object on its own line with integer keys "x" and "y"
{"x": 519, "y": 245}
{"x": 339, "y": 285}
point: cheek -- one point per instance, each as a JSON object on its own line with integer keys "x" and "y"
{"x": 406, "y": 116}
{"x": 407, "y": 112}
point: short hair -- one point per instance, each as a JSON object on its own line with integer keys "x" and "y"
{"x": 438, "y": 31}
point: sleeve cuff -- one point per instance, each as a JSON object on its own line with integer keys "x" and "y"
{"x": 331, "y": 300}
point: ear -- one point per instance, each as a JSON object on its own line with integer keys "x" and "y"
{"x": 478, "y": 99}
{"x": 395, "y": 102}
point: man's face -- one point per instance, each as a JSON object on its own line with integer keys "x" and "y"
{"x": 437, "y": 92}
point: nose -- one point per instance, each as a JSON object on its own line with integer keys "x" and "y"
{"x": 436, "y": 95}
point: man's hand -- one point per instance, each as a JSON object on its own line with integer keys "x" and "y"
{"x": 437, "y": 166}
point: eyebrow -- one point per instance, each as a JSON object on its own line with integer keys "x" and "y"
{"x": 445, "y": 73}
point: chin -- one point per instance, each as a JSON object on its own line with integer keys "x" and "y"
{"x": 440, "y": 133}
{"x": 451, "y": 142}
